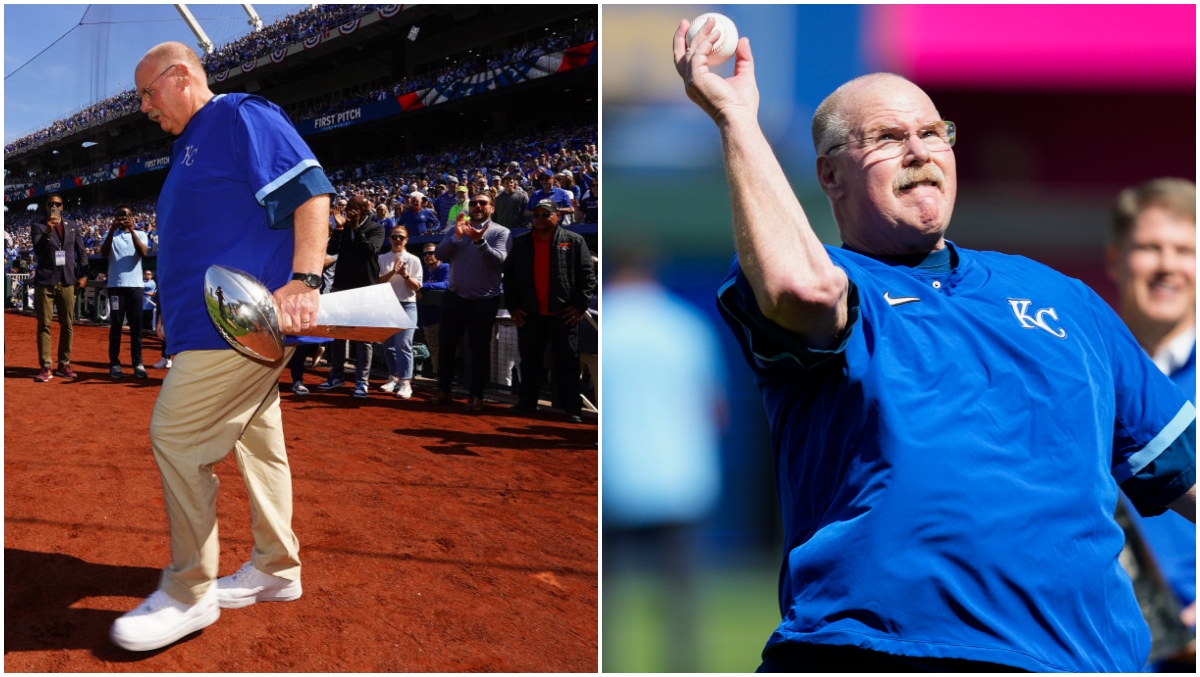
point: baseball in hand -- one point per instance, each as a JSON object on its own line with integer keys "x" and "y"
{"x": 726, "y": 42}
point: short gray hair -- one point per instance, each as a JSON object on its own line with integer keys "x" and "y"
{"x": 829, "y": 125}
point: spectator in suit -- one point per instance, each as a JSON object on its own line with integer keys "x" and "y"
{"x": 476, "y": 250}
{"x": 61, "y": 269}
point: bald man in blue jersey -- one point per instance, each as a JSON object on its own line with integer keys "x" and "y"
{"x": 246, "y": 192}
{"x": 950, "y": 427}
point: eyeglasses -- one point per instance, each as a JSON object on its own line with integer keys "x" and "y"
{"x": 476, "y": 203}
{"x": 889, "y": 143}
{"x": 148, "y": 93}
{"x": 55, "y": 204}
{"x": 541, "y": 215}
{"x": 399, "y": 238}
{"x": 124, "y": 213}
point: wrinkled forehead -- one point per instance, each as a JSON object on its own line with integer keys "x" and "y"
{"x": 888, "y": 101}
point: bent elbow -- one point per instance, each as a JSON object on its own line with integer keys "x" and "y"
{"x": 802, "y": 305}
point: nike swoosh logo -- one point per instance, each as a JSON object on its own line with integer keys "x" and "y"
{"x": 899, "y": 301}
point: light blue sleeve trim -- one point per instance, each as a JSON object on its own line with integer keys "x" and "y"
{"x": 292, "y": 173}
{"x": 1155, "y": 447}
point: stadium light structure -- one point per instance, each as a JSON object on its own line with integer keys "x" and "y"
{"x": 254, "y": 21}
{"x": 205, "y": 44}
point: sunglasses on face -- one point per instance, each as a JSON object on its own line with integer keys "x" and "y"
{"x": 541, "y": 215}
{"x": 477, "y": 203}
{"x": 55, "y": 204}
{"x": 399, "y": 238}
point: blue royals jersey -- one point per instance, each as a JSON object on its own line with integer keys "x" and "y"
{"x": 234, "y": 152}
{"x": 948, "y": 474}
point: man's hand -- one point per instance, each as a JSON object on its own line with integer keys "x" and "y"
{"x": 81, "y": 283}
{"x": 339, "y": 217}
{"x": 462, "y": 229}
{"x": 477, "y": 235}
{"x": 518, "y": 316}
{"x": 298, "y": 304}
{"x": 716, "y": 95}
{"x": 571, "y": 316}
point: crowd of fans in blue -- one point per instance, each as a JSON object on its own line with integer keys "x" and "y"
{"x": 568, "y": 155}
{"x": 296, "y": 28}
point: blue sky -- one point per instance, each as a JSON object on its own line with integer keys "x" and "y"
{"x": 97, "y": 59}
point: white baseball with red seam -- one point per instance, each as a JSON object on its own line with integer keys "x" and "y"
{"x": 726, "y": 44}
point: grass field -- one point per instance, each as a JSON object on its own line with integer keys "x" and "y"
{"x": 735, "y": 612}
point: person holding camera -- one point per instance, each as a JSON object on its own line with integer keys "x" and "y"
{"x": 125, "y": 248}
{"x": 61, "y": 269}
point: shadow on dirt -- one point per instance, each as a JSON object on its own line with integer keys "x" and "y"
{"x": 45, "y": 595}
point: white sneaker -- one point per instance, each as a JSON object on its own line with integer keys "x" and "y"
{"x": 404, "y": 392}
{"x": 299, "y": 388}
{"x": 161, "y": 620}
{"x": 390, "y": 386}
{"x": 164, "y": 363}
{"x": 249, "y": 585}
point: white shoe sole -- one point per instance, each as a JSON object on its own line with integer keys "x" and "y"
{"x": 287, "y": 593}
{"x": 200, "y": 622}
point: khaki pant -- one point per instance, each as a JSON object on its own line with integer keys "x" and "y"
{"x": 45, "y": 300}
{"x": 212, "y": 402}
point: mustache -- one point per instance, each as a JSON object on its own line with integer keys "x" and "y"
{"x": 910, "y": 176}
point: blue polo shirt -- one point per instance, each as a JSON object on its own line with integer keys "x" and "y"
{"x": 948, "y": 473}
{"x": 1171, "y": 536}
{"x": 557, "y": 195}
{"x": 238, "y": 171}
{"x": 124, "y": 264}
{"x": 419, "y": 222}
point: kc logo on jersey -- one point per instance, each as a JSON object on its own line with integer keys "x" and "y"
{"x": 189, "y": 155}
{"x": 1020, "y": 308}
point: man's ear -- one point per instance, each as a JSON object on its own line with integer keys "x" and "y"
{"x": 830, "y": 177}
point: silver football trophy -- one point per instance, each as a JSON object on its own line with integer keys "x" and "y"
{"x": 244, "y": 313}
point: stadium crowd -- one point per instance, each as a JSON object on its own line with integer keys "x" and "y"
{"x": 289, "y": 30}
{"x": 296, "y": 28}
{"x": 569, "y": 154}
{"x": 464, "y": 64}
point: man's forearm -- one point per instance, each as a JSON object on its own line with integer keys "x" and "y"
{"x": 310, "y": 222}
{"x": 1186, "y": 504}
{"x": 794, "y": 281}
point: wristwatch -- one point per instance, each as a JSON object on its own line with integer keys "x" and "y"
{"x": 312, "y": 281}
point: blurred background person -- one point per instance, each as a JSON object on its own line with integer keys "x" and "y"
{"x": 1152, "y": 260}
{"x": 661, "y": 476}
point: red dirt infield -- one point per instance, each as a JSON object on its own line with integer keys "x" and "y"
{"x": 431, "y": 540}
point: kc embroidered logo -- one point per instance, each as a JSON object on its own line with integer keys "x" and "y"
{"x": 189, "y": 155}
{"x": 1020, "y": 308}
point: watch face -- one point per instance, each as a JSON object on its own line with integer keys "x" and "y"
{"x": 312, "y": 281}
